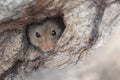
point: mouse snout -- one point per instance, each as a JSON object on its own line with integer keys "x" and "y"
{"x": 47, "y": 45}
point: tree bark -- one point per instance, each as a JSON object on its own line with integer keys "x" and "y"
{"x": 89, "y": 25}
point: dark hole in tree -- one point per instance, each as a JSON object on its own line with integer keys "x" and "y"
{"x": 34, "y": 36}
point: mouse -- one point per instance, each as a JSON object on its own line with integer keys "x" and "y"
{"x": 45, "y": 35}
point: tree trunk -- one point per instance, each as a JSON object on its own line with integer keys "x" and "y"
{"x": 89, "y": 25}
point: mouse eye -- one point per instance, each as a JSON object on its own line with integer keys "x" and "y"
{"x": 53, "y": 33}
{"x": 37, "y": 34}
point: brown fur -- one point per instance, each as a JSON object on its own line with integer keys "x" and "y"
{"x": 46, "y": 41}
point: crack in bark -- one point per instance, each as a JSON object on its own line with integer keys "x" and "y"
{"x": 100, "y": 7}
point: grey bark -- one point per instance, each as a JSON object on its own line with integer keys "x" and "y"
{"x": 89, "y": 24}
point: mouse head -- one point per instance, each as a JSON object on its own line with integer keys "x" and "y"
{"x": 45, "y": 35}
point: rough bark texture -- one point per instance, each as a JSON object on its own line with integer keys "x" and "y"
{"x": 103, "y": 64}
{"x": 89, "y": 24}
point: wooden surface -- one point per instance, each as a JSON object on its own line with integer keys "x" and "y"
{"x": 89, "y": 25}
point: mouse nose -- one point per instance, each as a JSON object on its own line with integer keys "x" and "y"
{"x": 47, "y": 45}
